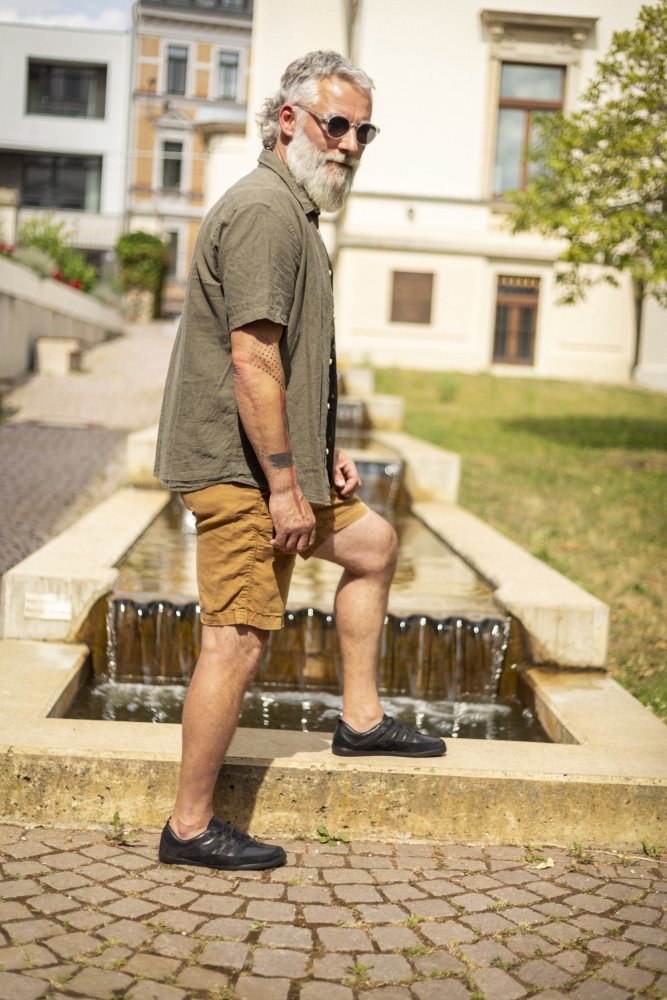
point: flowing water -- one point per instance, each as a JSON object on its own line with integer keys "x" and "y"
{"x": 443, "y": 650}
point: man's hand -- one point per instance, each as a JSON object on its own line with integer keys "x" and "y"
{"x": 346, "y": 477}
{"x": 293, "y": 521}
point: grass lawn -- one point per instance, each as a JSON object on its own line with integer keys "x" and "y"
{"x": 577, "y": 474}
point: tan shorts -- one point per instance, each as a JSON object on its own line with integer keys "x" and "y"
{"x": 242, "y": 579}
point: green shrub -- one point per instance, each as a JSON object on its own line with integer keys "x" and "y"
{"x": 37, "y": 260}
{"x": 143, "y": 260}
{"x": 53, "y": 238}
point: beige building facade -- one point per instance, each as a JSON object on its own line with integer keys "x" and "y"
{"x": 428, "y": 274}
{"x": 190, "y": 68}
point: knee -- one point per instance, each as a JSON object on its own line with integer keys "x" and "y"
{"x": 382, "y": 554}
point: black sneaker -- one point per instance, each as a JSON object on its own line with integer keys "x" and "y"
{"x": 388, "y": 739}
{"x": 219, "y": 846}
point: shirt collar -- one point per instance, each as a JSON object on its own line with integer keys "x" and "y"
{"x": 267, "y": 158}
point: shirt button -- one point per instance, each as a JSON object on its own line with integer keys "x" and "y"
{"x": 328, "y": 406}
{"x": 330, "y": 361}
{"x": 327, "y": 451}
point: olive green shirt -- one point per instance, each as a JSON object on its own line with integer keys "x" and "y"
{"x": 259, "y": 256}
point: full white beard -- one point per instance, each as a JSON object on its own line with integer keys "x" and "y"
{"x": 327, "y": 185}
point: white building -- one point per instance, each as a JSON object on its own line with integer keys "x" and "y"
{"x": 427, "y": 273}
{"x": 64, "y": 100}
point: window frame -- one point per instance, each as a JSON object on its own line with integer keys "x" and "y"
{"x": 515, "y": 301}
{"x": 396, "y": 299}
{"x": 67, "y": 64}
{"x": 57, "y": 160}
{"x": 218, "y": 92}
{"x": 164, "y": 159}
{"x": 168, "y": 45}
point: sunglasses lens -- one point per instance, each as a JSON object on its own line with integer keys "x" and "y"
{"x": 366, "y": 133}
{"x": 337, "y": 126}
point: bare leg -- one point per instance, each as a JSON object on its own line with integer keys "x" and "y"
{"x": 366, "y": 550}
{"x": 228, "y": 659}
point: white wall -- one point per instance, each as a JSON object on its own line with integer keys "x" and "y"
{"x": 21, "y": 132}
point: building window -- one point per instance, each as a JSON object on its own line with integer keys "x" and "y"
{"x": 516, "y": 319}
{"x": 228, "y": 75}
{"x": 411, "y": 297}
{"x": 172, "y": 165}
{"x": 66, "y": 182}
{"x": 73, "y": 90}
{"x": 525, "y": 90}
{"x": 177, "y": 68}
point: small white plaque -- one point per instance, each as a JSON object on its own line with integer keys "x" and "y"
{"x": 47, "y": 607}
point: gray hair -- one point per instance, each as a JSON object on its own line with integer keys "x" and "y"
{"x": 299, "y": 84}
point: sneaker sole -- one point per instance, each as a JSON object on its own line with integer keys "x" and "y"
{"x": 255, "y": 867}
{"x": 345, "y": 752}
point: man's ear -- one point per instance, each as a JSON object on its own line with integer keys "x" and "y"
{"x": 287, "y": 120}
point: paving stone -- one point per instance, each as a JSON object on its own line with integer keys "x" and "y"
{"x": 438, "y": 962}
{"x": 18, "y": 888}
{"x": 545, "y": 889}
{"x": 148, "y": 990}
{"x": 130, "y": 907}
{"x": 194, "y": 978}
{"x": 628, "y": 976}
{"x": 374, "y": 862}
{"x": 261, "y": 910}
{"x": 224, "y": 954}
{"x": 516, "y": 896}
{"x": 371, "y": 847}
{"x": 514, "y": 876}
{"x": 572, "y": 961}
{"x": 357, "y": 894}
{"x": 561, "y": 933}
{"x": 127, "y": 932}
{"x": 24, "y": 849}
{"x": 498, "y": 985}
{"x": 472, "y": 902}
{"x": 596, "y": 925}
{"x": 260, "y": 988}
{"x": 171, "y": 895}
{"x": 328, "y": 862}
{"x": 385, "y": 876}
{"x": 62, "y": 881}
{"x": 334, "y": 967}
{"x": 487, "y": 923}
{"x": 16, "y": 987}
{"x": 343, "y": 939}
{"x": 173, "y": 945}
{"x": 314, "y": 893}
{"x": 440, "y": 887}
{"x": 355, "y": 876}
{"x": 176, "y": 920}
{"x": 402, "y": 892}
{"x": 87, "y": 920}
{"x": 98, "y": 984}
{"x": 132, "y": 884}
{"x": 577, "y": 881}
{"x": 13, "y": 910}
{"x": 328, "y": 915}
{"x": 553, "y": 909}
{"x": 440, "y": 989}
{"x": 261, "y": 890}
{"x": 387, "y": 993}
{"x": 279, "y": 962}
{"x": 385, "y": 968}
{"x": 619, "y": 891}
{"x": 384, "y": 913}
{"x": 486, "y": 953}
{"x": 653, "y": 958}
{"x": 112, "y": 957}
{"x": 283, "y": 936}
{"x": 528, "y": 944}
{"x": 95, "y": 895}
{"x": 220, "y": 905}
{"x": 446, "y": 933}
{"x": 431, "y": 908}
{"x": 72, "y": 944}
{"x": 611, "y": 948}
{"x": 596, "y": 989}
{"x": 152, "y": 966}
{"x": 334, "y": 991}
{"x": 24, "y": 957}
{"x": 227, "y": 927}
{"x": 524, "y": 915}
{"x": 638, "y": 914}
{"x": 589, "y": 902}
{"x": 65, "y": 861}
{"x": 538, "y": 972}
{"x": 24, "y": 931}
{"x": 392, "y": 938}
{"x": 23, "y": 869}
{"x": 646, "y": 935}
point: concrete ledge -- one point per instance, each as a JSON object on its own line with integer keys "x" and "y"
{"x": 48, "y": 595}
{"x": 565, "y": 624}
{"x": 431, "y": 473}
{"x": 61, "y": 772}
{"x": 141, "y": 457}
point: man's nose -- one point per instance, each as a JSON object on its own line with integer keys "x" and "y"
{"x": 349, "y": 142}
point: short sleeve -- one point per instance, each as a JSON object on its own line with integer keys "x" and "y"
{"x": 258, "y": 261}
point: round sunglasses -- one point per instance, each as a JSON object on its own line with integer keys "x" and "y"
{"x": 338, "y": 125}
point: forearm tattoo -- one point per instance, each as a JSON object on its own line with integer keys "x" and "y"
{"x": 266, "y": 357}
{"x": 282, "y": 460}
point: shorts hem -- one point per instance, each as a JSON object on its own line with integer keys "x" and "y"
{"x": 269, "y": 622}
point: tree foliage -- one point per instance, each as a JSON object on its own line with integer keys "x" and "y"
{"x": 600, "y": 181}
{"x": 143, "y": 259}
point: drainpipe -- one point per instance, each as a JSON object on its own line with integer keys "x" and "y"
{"x": 640, "y": 291}
{"x": 353, "y": 18}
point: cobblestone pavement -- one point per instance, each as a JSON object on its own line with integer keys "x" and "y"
{"x": 85, "y": 916}
{"x": 62, "y": 445}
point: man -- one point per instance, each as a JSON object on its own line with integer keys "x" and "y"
{"x": 247, "y": 437}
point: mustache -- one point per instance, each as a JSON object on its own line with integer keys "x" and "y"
{"x": 348, "y": 161}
